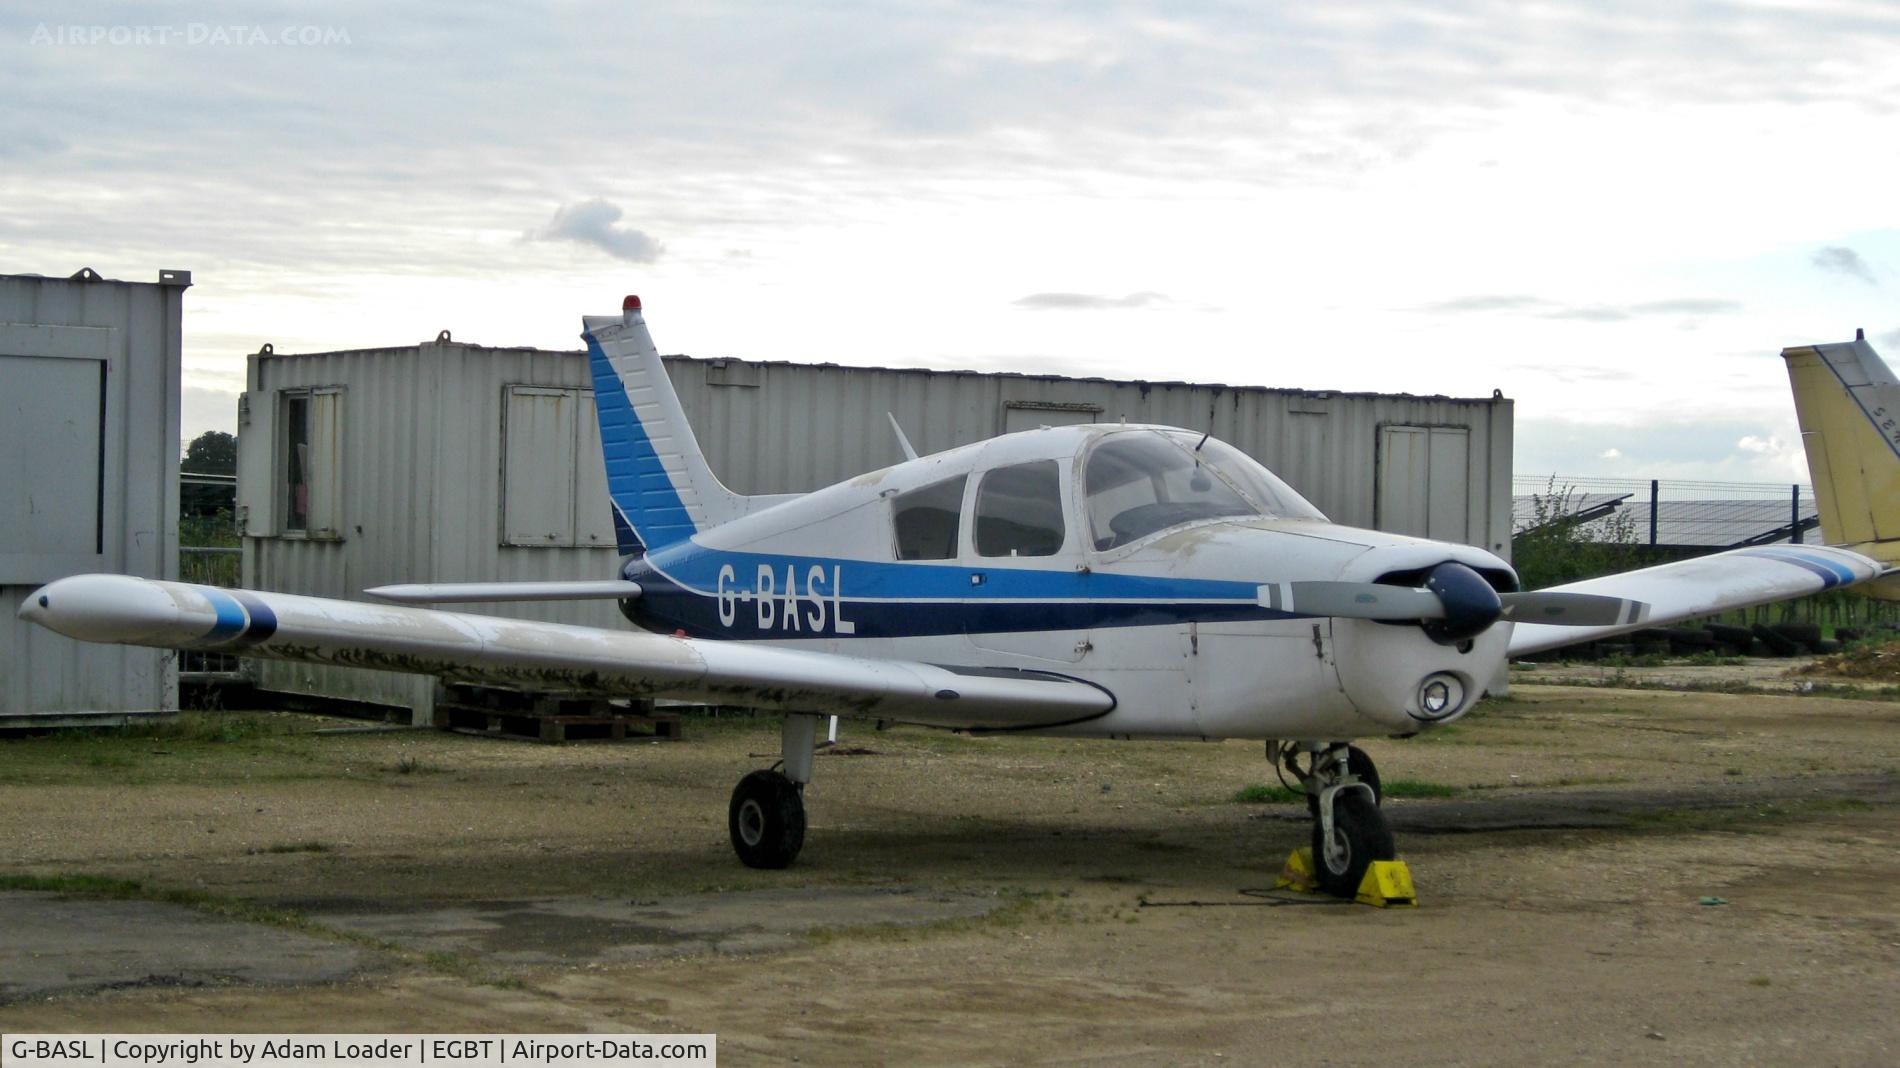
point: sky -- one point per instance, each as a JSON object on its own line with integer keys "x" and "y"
{"x": 1615, "y": 213}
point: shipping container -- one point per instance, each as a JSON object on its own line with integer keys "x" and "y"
{"x": 453, "y": 462}
{"x": 89, "y": 421}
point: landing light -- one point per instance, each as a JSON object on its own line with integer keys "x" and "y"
{"x": 1439, "y": 695}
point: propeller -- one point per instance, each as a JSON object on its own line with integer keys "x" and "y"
{"x": 1454, "y": 604}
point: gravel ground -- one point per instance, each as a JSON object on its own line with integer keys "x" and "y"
{"x": 1004, "y": 901}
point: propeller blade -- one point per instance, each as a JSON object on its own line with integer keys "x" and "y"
{"x": 1573, "y": 609}
{"x": 1352, "y": 600}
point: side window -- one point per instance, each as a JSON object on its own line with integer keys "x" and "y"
{"x": 1019, "y": 511}
{"x": 926, "y": 520}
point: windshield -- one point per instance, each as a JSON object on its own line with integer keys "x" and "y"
{"x": 1141, "y": 482}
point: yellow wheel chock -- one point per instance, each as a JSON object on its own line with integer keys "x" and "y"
{"x": 1387, "y": 885}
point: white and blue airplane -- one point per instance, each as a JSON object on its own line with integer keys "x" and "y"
{"x": 1108, "y": 581}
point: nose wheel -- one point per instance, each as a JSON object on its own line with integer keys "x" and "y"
{"x": 1342, "y": 793}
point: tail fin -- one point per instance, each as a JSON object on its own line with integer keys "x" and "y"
{"x": 1849, "y": 406}
{"x": 662, "y": 488}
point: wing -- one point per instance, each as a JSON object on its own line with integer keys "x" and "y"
{"x": 514, "y": 652}
{"x": 1704, "y": 586}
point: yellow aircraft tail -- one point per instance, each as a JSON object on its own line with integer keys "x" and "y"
{"x": 1849, "y": 406}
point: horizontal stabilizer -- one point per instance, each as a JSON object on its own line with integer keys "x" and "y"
{"x": 461, "y": 592}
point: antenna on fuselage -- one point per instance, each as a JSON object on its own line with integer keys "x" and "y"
{"x": 902, "y": 441}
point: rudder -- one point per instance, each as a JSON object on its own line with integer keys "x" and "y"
{"x": 662, "y": 488}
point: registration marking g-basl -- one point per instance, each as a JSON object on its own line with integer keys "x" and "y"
{"x": 777, "y": 607}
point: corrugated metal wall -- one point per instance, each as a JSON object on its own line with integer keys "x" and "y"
{"x": 424, "y": 451}
{"x": 89, "y": 395}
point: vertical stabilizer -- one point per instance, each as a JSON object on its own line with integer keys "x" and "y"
{"x": 1849, "y": 406}
{"x": 662, "y": 488}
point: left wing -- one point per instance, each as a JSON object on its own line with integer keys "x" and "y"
{"x": 1704, "y": 586}
{"x": 281, "y": 626}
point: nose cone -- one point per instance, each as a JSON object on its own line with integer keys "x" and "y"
{"x": 103, "y": 608}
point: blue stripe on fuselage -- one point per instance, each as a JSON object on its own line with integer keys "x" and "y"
{"x": 636, "y": 479}
{"x": 708, "y": 593}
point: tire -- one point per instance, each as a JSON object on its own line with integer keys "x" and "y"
{"x": 1360, "y": 764}
{"x": 766, "y": 820}
{"x": 1360, "y": 836}
{"x": 1778, "y": 643}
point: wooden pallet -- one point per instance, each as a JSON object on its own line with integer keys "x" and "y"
{"x": 549, "y": 718}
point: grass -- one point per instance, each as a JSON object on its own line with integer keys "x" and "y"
{"x": 1417, "y": 788}
{"x": 1275, "y": 794}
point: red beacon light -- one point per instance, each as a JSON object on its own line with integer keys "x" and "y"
{"x": 630, "y": 303}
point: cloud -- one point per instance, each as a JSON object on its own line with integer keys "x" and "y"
{"x": 1483, "y": 303}
{"x": 1596, "y": 313}
{"x": 1839, "y": 259}
{"x": 1891, "y": 339}
{"x": 1088, "y": 301}
{"x": 1760, "y": 445}
{"x": 591, "y": 222}
{"x": 1610, "y": 454}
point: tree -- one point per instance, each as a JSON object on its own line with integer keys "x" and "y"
{"x": 1556, "y": 547}
{"x": 212, "y": 453}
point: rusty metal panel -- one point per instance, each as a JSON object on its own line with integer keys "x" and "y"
{"x": 90, "y": 371}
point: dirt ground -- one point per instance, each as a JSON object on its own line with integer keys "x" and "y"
{"x": 984, "y": 901}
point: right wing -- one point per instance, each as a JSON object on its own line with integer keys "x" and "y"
{"x": 1704, "y": 586}
{"x": 554, "y": 656}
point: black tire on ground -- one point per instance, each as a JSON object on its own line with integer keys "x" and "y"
{"x": 1736, "y": 636}
{"x": 1360, "y": 764}
{"x": 766, "y": 820}
{"x": 1778, "y": 644}
{"x": 1687, "y": 641}
{"x": 1845, "y": 635}
{"x": 1360, "y": 836}
{"x": 1800, "y": 633}
{"x": 1827, "y": 646}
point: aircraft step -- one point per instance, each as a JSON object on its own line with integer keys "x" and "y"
{"x": 550, "y": 718}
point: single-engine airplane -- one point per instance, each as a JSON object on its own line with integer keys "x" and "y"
{"x": 1110, "y": 581}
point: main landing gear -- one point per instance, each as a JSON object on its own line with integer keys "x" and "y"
{"x": 1342, "y": 792}
{"x": 767, "y": 814}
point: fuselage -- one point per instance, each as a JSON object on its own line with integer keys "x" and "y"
{"x": 1112, "y": 554}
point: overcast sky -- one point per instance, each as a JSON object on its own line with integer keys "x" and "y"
{"x": 1615, "y": 213}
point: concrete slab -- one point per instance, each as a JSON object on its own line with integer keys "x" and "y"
{"x": 567, "y": 930}
{"x": 53, "y": 944}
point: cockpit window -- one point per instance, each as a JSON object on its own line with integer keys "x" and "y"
{"x": 1141, "y": 482}
{"x": 1019, "y": 510}
{"x": 925, "y": 520}
{"x": 1262, "y": 486}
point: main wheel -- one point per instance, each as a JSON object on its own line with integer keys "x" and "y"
{"x": 1360, "y": 836}
{"x": 767, "y": 820}
{"x": 1361, "y": 765}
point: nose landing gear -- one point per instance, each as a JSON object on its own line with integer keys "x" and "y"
{"x": 1342, "y": 792}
